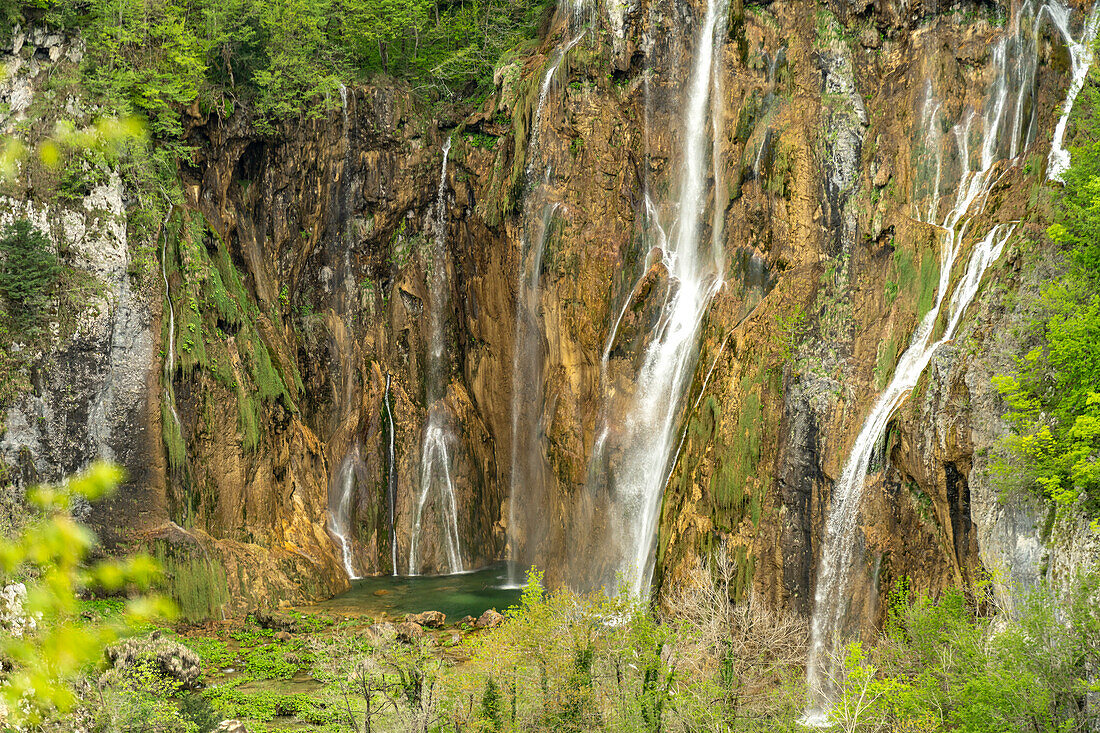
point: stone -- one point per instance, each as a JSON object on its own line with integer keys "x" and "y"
{"x": 14, "y": 620}
{"x": 428, "y": 619}
{"x": 275, "y": 621}
{"x": 231, "y": 726}
{"x": 409, "y": 632}
{"x": 489, "y": 620}
{"x": 467, "y": 621}
{"x": 381, "y": 634}
{"x": 172, "y": 659}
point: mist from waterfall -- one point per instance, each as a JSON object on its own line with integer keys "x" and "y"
{"x": 540, "y": 205}
{"x": 980, "y": 139}
{"x": 342, "y": 490}
{"x": 391, "y": 474}
{"x": 435, "y": 452}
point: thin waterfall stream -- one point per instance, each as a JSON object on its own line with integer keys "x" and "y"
{"x": 1080, "y": 55}
{"x": 435, "y": 456}
{"x": 391, "y": 475}
{"x": 170, "y": 356}
{"x": 998, "y": 129}
{"x": 340, "y": 517}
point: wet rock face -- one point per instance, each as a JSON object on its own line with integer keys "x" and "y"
{"x": 330, "y": 227}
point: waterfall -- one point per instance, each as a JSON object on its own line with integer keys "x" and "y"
{"x": 1001, "y": 135}
{"x": 533, "y": 147}
{"x": 1080, "y": 57}
{"x": 170, "y": 357}
{"x": 636, "y": 445}
{"x": 539, "y": 211}
{"x": 435, "y": 461}
{"x": 526, "y": 371}
{"x": 391, "y": 476}
{"x": 351, "y": 472}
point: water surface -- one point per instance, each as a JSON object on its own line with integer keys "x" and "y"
{"x": 467, "y": 594}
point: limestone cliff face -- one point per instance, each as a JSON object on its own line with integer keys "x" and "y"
{"x": 303, "y": 277}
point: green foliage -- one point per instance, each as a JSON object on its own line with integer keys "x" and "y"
{"x": 269, "y": 662}
{"x": 139, "y": 699}
{"x": 1054, "y": 395}
{"x": 215, "y": 653}
{"x": 943, "y": 667}
{"x": 53, "y": 647}
{"x": 284, "y": 59}
{"x": 28, "y": 270}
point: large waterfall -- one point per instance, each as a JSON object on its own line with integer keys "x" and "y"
{"x": 982, "y": 137}
{"x": 435, "y": 455}
{"x": 634, "y": 444}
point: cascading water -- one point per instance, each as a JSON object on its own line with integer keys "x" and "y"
{"x": 1080, "y": 57}
{"x": 391, "y": 476}
{"x": 1001, "y": 134}
{"x": 170, "y": 357}
{"x": 435, "y": 454}
{"x": 636, "y": 445}
{"x": 341, "y": 499}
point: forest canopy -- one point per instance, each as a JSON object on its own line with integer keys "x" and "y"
{"x": 280, "y": 58}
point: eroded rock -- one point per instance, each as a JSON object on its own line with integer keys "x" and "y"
{"x": 489, "y": 620}
{"x": 170, "y": 659}
{"x": 428, "y": 619}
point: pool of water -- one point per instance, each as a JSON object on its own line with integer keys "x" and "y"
{"x": 468, "y": 594}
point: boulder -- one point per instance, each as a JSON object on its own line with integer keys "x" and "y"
{"x": 428, "y": 619}
{"x": 14, "y": 619}
{"x": 275, "y": 621}
{"x": 467, "y": 621}
{"x": 381, "y": 634}
{"x": 409, "y": 632}
{"x": 230, "y": 726}
{"x": 171, "y": 659}
{"x": 489, "y": 620}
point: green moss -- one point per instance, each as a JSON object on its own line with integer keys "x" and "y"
{"x": 730, "y": 484}
{"x": 929, "y": 279}
{"x": 195, "y": 582}
{"x": 173, "y": 438}
{"x": 885, "y": 361}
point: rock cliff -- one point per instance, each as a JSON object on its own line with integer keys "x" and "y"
{"x": 299, "y": 278}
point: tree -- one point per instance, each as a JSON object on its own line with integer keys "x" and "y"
{"x": 28, "y": 271}
{"x": 1054, "y": 397}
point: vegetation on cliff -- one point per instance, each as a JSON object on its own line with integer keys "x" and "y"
{"x": 283, "y": 59}
{"x": 1055, "y": 394}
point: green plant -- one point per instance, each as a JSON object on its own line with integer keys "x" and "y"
{"x": 28, "y": 270}
{"x": 50, "y": 647}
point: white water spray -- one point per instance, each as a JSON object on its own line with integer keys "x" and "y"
{"x": 391, "y": 477}
{"x": 526, "y": 382}
{"x": 435, "y": 461}
{"x": 339, "y": 520}
{"x": 1080, "y": 57}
